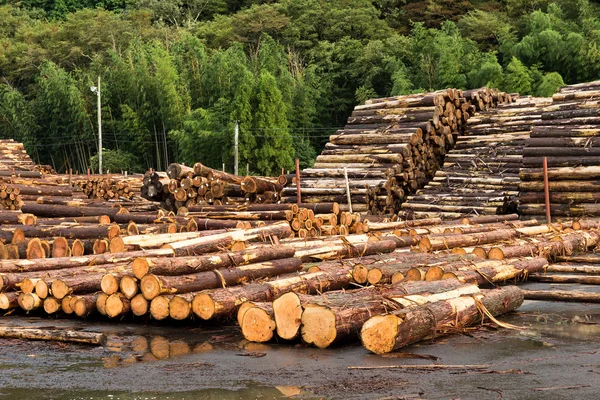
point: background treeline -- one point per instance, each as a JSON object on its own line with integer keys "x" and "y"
{"x": 177, "y": 74}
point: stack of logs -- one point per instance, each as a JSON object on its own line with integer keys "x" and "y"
{"x": 481, "y": 174}
{"x": 110, "y": 187}
{"x": 274, "y": 285}
{"x": 183, "y": 187}
{"x": 13, "y": 158}
{"x": 568, "y": 135}
{"x": 389, "y": 148}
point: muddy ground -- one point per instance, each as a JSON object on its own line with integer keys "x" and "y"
{"x": 557, "y": 357}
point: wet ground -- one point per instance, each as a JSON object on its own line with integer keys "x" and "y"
{"x": 556, "y": 357}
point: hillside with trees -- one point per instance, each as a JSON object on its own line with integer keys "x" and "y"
{"x": 176, "y": 75}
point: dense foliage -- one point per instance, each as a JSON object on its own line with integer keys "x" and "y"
{"x": 177, "y": 75}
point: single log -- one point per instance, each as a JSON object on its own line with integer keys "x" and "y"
{"x": 51, "y": 211}
{"x": 12, "y": 266}
{"x": 60, "y": 335}
{"x": 513, "y": 270}
{"x": 386, "y": 333}
{"x": 574, "y": 268}
{"x": 200, "y": 245}
{"x": 443, "y": 242}
{"x": 187, "y": 265}
{"x": 562, "y": 295}
{"x": 139, "y": 305}
{"x": 153, "y": 285}
{"x": 588, "y": 280}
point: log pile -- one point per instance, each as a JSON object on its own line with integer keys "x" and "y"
{"x": 480, "y": 176}
{"x": 14, "y": 159}
{"x": 568, "y": 275}
{"x": 183, "y": 187}
{"x": 567, "y": 135}
{"x": 110, "y": 187}
{"x": 389, "y": 148}
{"x": 289, "y": 287}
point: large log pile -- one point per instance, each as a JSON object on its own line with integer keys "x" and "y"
{"x": 389, "y": 148}
{"x": 567, "y": 135}
{"x": 481, "y": 174}
{"x": 286, "y": 287}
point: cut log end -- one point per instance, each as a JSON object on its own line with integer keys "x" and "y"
{"x": 242, "y": 311}
{"x": 109, "y": 284}
{"x": 159, "y": 308}
{"x": 150, "y": 286}
{"x": 84, "y": 306}
{"x": 35, "y": 249}
{"x": 129, "y": 286}
{"x": 374, "y": 276}
{"x": 203, "y": 306}
{"x": 288, "y": 315}
{"x": 65, "y": 305}
{"x": 140, "y": 267}
{"x": 27, "y": 285}
{"x": 378, "y": 333}
{"x": 318, "y": 326}
{"x": 60, "y": 248}
{"x": 179, "y": 308}
{"x": 116, "y": 305}
{"x": 30, "y": 301}
{"x": 101, "y": 303}
{"x": 496, "y": 253}
{"x": 257, "y": 325}
{"x": 78, "y": 248}
{"x": 5, "y": 302}
{"x": 480, "y": 252}
{"x": 117, "y": 245}
{"x": 60, "y": 289}
{"x": 51, "y": 305}
{"x": 434, "y": 273}
{"x": 360, "y": 274}
{"x": 139, "y": 305}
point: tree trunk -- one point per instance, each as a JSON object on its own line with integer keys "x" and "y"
{"x": 386, "y": 333}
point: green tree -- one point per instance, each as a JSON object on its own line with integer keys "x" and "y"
{"x": 549, "y": 85}
{"x": 517, "y": 78}
{"x": 274, "y": 145}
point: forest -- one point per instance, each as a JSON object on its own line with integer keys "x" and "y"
{"x": 177, "y": 75}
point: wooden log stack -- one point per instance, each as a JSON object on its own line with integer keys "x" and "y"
{"x": 14, "y": 160}
{"x": 480, "y": 176}
{"x": 183, "y": 187}
{"x": 389, "y": 148}
{"x": 567, "y": 135}
{"x": 110, "y": 187}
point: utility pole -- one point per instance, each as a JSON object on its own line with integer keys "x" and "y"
{"x": 235, "y": 148}
{"x": 97, "y": 91}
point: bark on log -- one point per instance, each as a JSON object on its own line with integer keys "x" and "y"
{"x": 153, "y": 285}
{"x": 383, "y": 334}
{"x": 60, "y": 335}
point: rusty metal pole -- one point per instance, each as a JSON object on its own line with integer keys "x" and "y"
{"x": 298, "y": 193}
{"x": 547, "y": 191}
